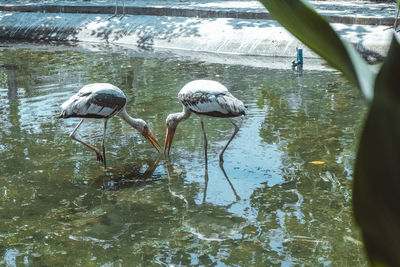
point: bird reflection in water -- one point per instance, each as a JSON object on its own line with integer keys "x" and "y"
{"x": 128, "y": 176}
{"x": 206, "y": 221}
{"x": 172, "y": 178}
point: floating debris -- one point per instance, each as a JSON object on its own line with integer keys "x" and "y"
{"x": 317, "y": 162}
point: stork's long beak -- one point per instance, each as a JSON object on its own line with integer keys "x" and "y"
{"x": 168, "y": 139}
{"x": 152, "y": 139}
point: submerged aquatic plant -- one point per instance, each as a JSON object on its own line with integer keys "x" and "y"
{"x": 376, "y": 188}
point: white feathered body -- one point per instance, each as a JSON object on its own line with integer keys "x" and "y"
{"x": 210, "y": 98}
{"x": 97, "y": 100}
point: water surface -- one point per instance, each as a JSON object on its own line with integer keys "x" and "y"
{"x": 58, "y": 205}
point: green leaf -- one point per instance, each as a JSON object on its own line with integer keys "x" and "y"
{"x": 376, "y": 195}
{"x": 315, "y": 32}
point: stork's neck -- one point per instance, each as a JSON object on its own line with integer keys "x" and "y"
{"x": 181, "y": 116}
{"x": 138, "y": 124}
{"x": 175, "y": 118}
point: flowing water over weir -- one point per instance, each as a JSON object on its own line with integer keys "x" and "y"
{"x": 222, "y": 35}
{"x": 220, "y": 26}
{"x": 287, "y": 201}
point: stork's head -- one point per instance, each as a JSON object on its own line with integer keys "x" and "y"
{"x": 145, "y": 131}
{"x": 172, "y": 123}
{"x": 141, "y": 126}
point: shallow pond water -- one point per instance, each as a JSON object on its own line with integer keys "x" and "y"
{"x": 285, "y": 199}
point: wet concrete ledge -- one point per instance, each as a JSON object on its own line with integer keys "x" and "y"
{"x": 234, "y": 32}
{"x": 184, "y": 12}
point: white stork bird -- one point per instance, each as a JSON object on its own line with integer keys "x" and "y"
{"x": 205, "y": 98}
{"x": 102, "y": 101}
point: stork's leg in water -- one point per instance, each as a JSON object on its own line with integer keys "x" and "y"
{"x": 221, "y": 156}
{"x": 205, "y": 186}
{"x": 116, "y": 10}
{"x": 72, "y": 135}
{"x": 205, "y": 143}
{"x": 123, "y": 8}
{"x": 205, "y": 156}
{"x": 104, "y": 141}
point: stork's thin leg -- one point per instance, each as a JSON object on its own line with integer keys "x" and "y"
{"x": 205, "y": 142}
{"x": 221, "y": 156}
{"x": 205, "y": 186}
{"x": 116, "y": 10}
{"x": 72, "y": 135}
{"x": 104, "y": 145}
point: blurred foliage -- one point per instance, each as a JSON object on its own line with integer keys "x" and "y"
{"x": 377, "y": 172}
{"x": 314, "y": 31}
{"x": 376, "y": 178}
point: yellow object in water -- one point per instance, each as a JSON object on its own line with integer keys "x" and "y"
{"x": 317, "y": 162}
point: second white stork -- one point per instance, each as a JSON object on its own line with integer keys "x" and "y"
{"x": 102, "y": 101}
{"x": 205, "y": 98}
